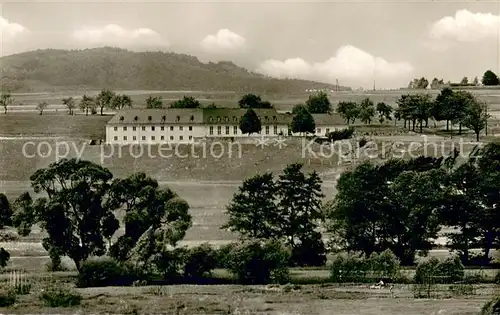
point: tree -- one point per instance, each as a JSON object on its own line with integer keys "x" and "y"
{"x": 70, "y": 104}
{"x": 476, "y": 81}
{"x": 422, "y": 108}
{"x": 104, "y": 100}
{"x": 299, "y": 208}
{"x": 87, "y": 103}
{"x": 120, "y": 102}
{"x": 462, "y": 209}
{"x": 186, "y": 102}
{"x": 154, "y": 102}
{"x": 384, "y": 111}
{"x": 391, "y": 206}
{"x": 250, "y": 123}
{"x": 349, "y": 111}
{"x": 490, "y": 78}
{"x": 5, "y": 212}
{"x": 475, "y": 116}
{"x": 366, "y": 111}
{"x": 211, "y": 106}
{"x": 5, "y": 100}
{"x": 319, "y": 104}
{"x": 73, "y": 211}
{"x": 253, "y": 101}
{"x": 442, "y": 108}
{"x": 5, "y": 220}
{"x": 302, "y": 120}
{"x": 145, "y": 204}
{"x": 253, "y": 212}
{"x": 464, "y": 81}
{"x": 42, "y": 106}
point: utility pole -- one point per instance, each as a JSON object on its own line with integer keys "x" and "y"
{"x": 337, "y": 85}
{"x": 374, "y": 85}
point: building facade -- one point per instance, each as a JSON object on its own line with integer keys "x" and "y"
{"x": 175, "y": 125}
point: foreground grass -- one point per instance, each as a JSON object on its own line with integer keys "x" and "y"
{"x": 235, "y": 299}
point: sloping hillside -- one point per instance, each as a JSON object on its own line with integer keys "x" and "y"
{"x": 46, "y": 70}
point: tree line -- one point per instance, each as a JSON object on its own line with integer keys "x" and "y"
{"x": 489, "y": 79}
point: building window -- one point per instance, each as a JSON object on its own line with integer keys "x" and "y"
{"x": 275, "y": 130}
{"x": 180, "y": 128}
{"x": 227, "y": 130}
{"x": 162, "y": 138}
{"x": 144, "y": 138}
{"x": 266, "y": 118}
{"x": 327, "y": 130}
{"x": 125, "y": 138}
{"x": 153, "y": 138}
{"x": 190, "y": 128}
{"x": 211, "y": 130}
{"x": 190, "y": 137}
{"x": 211, "y": 119}
{"x": 171, "y": 137}
{"x": 219, "y": 130}
{"x": 116, "y": 138}
{"x": 318, "y": 130}
{"x": 171, "y": 128}
{"x": 124, "y": 128}
{"x": 226, "y": 118}
{"x": 218, "y": 118}
{"x": 134, "y": 138}
{"x": 116, "y": 128}
{"x": 162, "y": 128}
{"x": 181, "y": 138}
{"x": 274, "y": 118}
{"x": 133, "y": 128}
{"x": 235, "y": 130}
{"x": 267, "y": 130}
{"x": 152, "y": 128}
{"x": 143, "y": 128}
{"x": 235, "y": 119}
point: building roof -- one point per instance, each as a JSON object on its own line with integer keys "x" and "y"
{"x": 212, "y": 116}
{"x": 233, "y": 115}
{"x": 158, "y": 116}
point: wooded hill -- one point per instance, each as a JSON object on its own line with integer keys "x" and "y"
{"x": 114, "y": 68}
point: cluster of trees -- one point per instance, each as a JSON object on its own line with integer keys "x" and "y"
{"x": 77, "y": 213}
{"x": 364, "y": 111}
{"x": 402, "y": 205}
{"x": 489, "y": 79}
{"x": 105, "y": 99}
{"x": 455, "y": 107}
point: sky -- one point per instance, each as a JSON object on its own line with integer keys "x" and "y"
{"x": 354, "y": 42}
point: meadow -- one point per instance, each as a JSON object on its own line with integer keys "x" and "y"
{"x": 208, "y": 185}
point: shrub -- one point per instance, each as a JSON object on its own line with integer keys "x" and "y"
{"x": 7, "y": 298}
{"x": 170, "y": 263}
{"x": 311, "y": 252}
{"x": 60, "y": 297}
{"x": 385, "y": 265}
{"x": 435, "y": 271}
{"x": 256, "y": 263}
{"x": 492, "y": 307}
{"x": 199, "y": 261}
{"x": 224, "y": 254}
{"x": 104, "y": 271}
{"x": 350, "y": 267}
{"x": 451, "y": 269}
{"x": 340, "y": 134}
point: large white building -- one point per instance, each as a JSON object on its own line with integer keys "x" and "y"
{"x": 174, "y": 125}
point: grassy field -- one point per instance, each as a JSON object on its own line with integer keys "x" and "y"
{"x": 276, "y": 300}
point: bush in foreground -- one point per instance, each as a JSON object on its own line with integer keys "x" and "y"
{"x": 104, "y": 271}
{"x": 259, "y": 263}
{"x": 433, "y": 270}
{"x": 60, "y": 297}
{"x": 7, "y": 298}
{"x": 356, "y": 267}
{"x": 492, "y": 307}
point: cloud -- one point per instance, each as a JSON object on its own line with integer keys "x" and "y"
{"x": 10, "y": 31}
{"x": 224, "y": 41}
{"x": 464, "y": 27}
{"x": 350, "y": 64}
{"x": 12, "y": 36}
{"x": 115, "y": 35}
